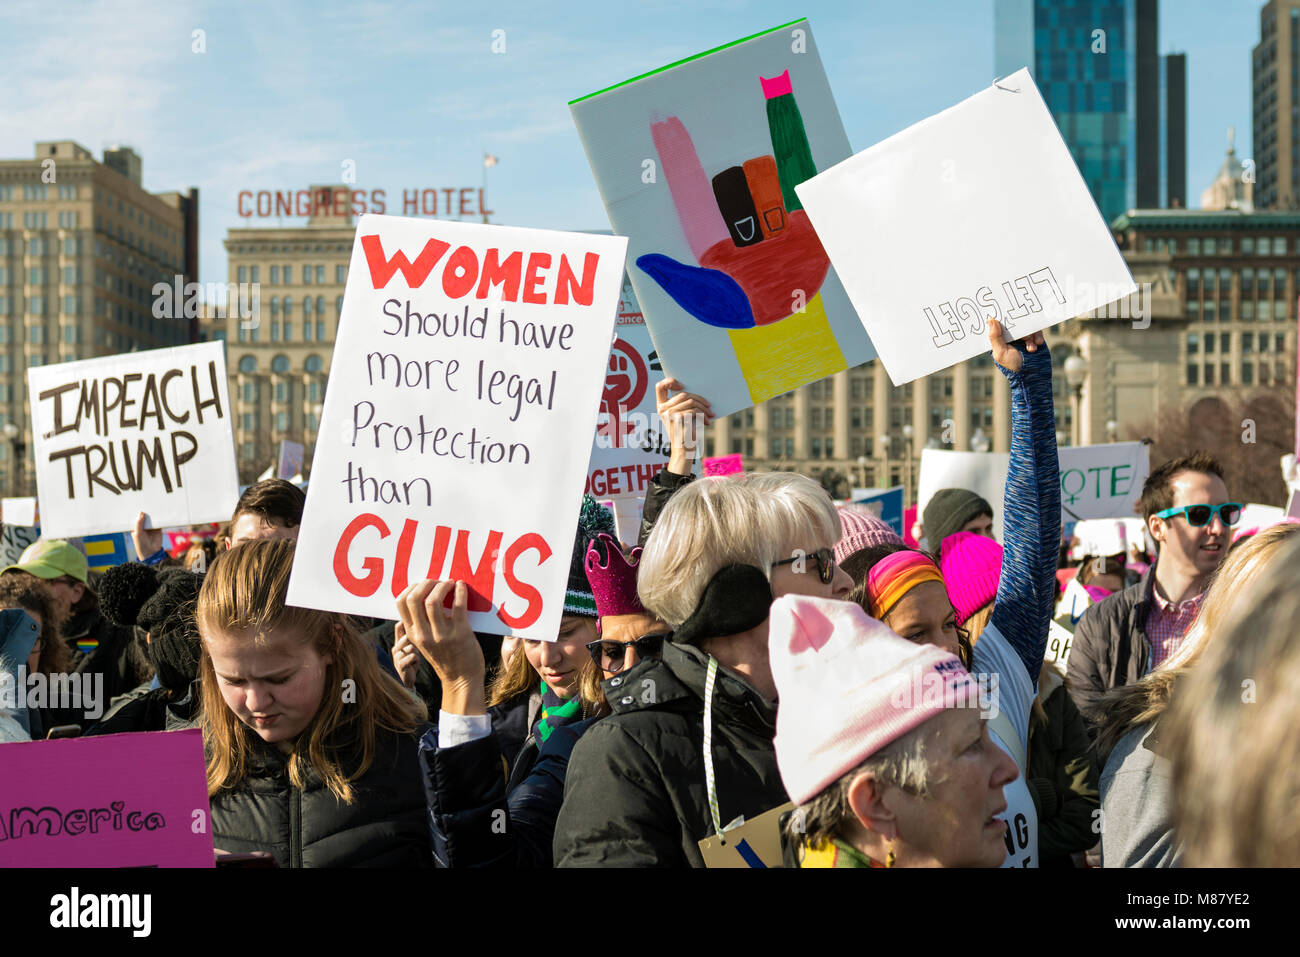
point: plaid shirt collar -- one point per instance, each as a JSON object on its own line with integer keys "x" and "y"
{"x": 1168, "y": 607}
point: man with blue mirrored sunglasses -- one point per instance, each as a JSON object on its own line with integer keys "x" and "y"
{"x": 1119, "y": 640}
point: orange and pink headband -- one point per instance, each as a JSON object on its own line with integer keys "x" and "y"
{"x": 894, "y": 576}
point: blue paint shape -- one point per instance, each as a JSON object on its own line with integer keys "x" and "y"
{"x": 709, "y": 295}
{"x": 747, "y": 854}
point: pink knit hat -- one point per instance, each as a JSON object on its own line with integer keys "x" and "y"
{"x": 848, "y": 686}
{"x": 971, "y": 565}
{"x": 862, "y": 529}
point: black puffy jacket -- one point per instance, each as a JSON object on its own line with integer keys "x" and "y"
{"x": 478, "y": 817}
{"x": 1111, "y": 648}
{"x": 634, "y": 793}
{"x": 309, "y": 827}
{"x": 111, "y": 655}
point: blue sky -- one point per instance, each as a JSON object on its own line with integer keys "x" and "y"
{"x": 412, "y": 93}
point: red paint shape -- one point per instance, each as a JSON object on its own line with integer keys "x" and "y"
{"x": 773, "y": 272}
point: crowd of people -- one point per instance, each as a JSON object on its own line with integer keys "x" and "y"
{"x": 762, "y": 662}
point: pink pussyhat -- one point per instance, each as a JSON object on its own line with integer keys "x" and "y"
{"x": 614, "y": 582}
{"x": 848, "y": 686}
{"x": 861, "y": 529}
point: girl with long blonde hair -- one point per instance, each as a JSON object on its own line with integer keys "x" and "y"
{"x": 311, "y": 748}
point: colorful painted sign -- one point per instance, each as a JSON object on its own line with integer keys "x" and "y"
{"x": 697, "y": 164}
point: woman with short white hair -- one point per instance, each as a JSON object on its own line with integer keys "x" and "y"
{"x": 882, "y": 744}
{"x": 641, "y": 789}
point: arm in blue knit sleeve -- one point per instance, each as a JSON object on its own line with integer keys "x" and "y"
{"x": 1031, "y": 513}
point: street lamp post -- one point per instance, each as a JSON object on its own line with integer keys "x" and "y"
{"x": 862, "y": 471}
{"x": 18, "y": 449}
{"x": 908, "y": 432}
{"x": 1112, "y": 429}
{"x": 1076, "y": 370}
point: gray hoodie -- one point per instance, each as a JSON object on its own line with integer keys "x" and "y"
{"x": 1137, "y": 804}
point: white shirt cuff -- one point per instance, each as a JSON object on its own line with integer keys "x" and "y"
{"x": 454, "y": 729}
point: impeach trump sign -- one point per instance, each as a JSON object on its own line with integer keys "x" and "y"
{"x": 462, "y": 398}
{"x": 139, "y": 432}
{"x": 119, "y": 800}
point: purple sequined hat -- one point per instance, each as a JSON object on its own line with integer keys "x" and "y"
{"x": 613, "y": 583}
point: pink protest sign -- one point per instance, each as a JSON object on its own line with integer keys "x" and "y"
{"x": 120, "y": 800}
{"x": 723, "y": 465}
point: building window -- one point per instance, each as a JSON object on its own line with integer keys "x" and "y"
{"x": 1209, "y": 375}
{"x": 320, "y": 305}
{"x": 320, "y": 275}
{"x": 1247, "y": 310}
{"x": 280, "y": 364}
{"x": 288, "y": 332}
{"x": 248, "y": 364}
{"x": 275, "y": 330}
{"x": 306, "y": 330}
{"x": 1193, "y": 374}
{"x": 281, "y": 421}
{"x": 306, "y": 305}
{"x": 338, "y": 305}
{"x": 275, "y": 305}
{"x": 306, "y": 275}
{"x": 1247, "y": 373}
{"x": 789, "y": 448}
{"x": 1247, "y": 244}
{"x": 1208, "y": 246}
{"x": 776, "y": 448}
{"x": 320, "y": 330}
{"x": 252, "y": 273}
{"x": 242, "y": 273}
{"x": 248, "y": 421}
{"x": 288, "y": 308}
{"x": 275, "y": 275}
{"x": 1194, "y": 246}
{"x": 313, "y": 363}
{"x": 340, "y": 274}
{"x": 1279, "y": 245}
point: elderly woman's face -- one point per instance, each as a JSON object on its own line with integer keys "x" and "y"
{"x": 955, "y": 823}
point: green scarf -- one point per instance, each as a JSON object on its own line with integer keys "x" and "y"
{"x": 556, "y": 712}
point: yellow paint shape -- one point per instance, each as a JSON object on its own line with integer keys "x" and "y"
{"x": 782, "y": 355}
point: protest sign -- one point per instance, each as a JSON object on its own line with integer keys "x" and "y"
{"x": 1018, "y": 235}
{"x": 140, "y": 432}
{"x": 1102, "y": 481}
{"x": 19, "y": 511}
{"x": 105, "y": 551}
{"x": 984, "y": 473}
{"x": 629, "y": 447}
{"x": 696, "y": 164}
{"x": 1097, "y": 481}
{"x": 886, "y": 505}
{"x": 117, "y": 800}
{"x": 724, "y": 465}
{"x": 462, "y": 398}
{"x": 14, "y": 540}
{"x": 289, "y": 462}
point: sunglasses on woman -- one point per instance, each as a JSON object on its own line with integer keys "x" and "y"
{"x": 1198, "y": 515}
{"x": 611, "y": 656}
{"x": 825, "y": 559}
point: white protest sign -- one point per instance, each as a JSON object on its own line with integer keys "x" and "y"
{"x": 18, "y": 511}
{"x": 977, "y": 212}
{"x": 1102, "y": 481}
{"x": 139, "y": 432}
{"x": 629, "y": 447}
{"x": 1097, "y": 481}
{"x": 984, "y": 473}
{"x": 458, "y": 418}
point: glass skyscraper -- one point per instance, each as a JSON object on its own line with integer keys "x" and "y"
{"x": 1120, "y": 106}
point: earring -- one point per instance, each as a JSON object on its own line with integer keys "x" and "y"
{"x": 890, "y": 858}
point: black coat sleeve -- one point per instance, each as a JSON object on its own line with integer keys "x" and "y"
{"x": 472, "y": 820}
{"x": 616, "y": 812}
{"x": 661, "y": 488}
{"x": 1084, "y": 673}
{"x": 1076, "y": 782}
